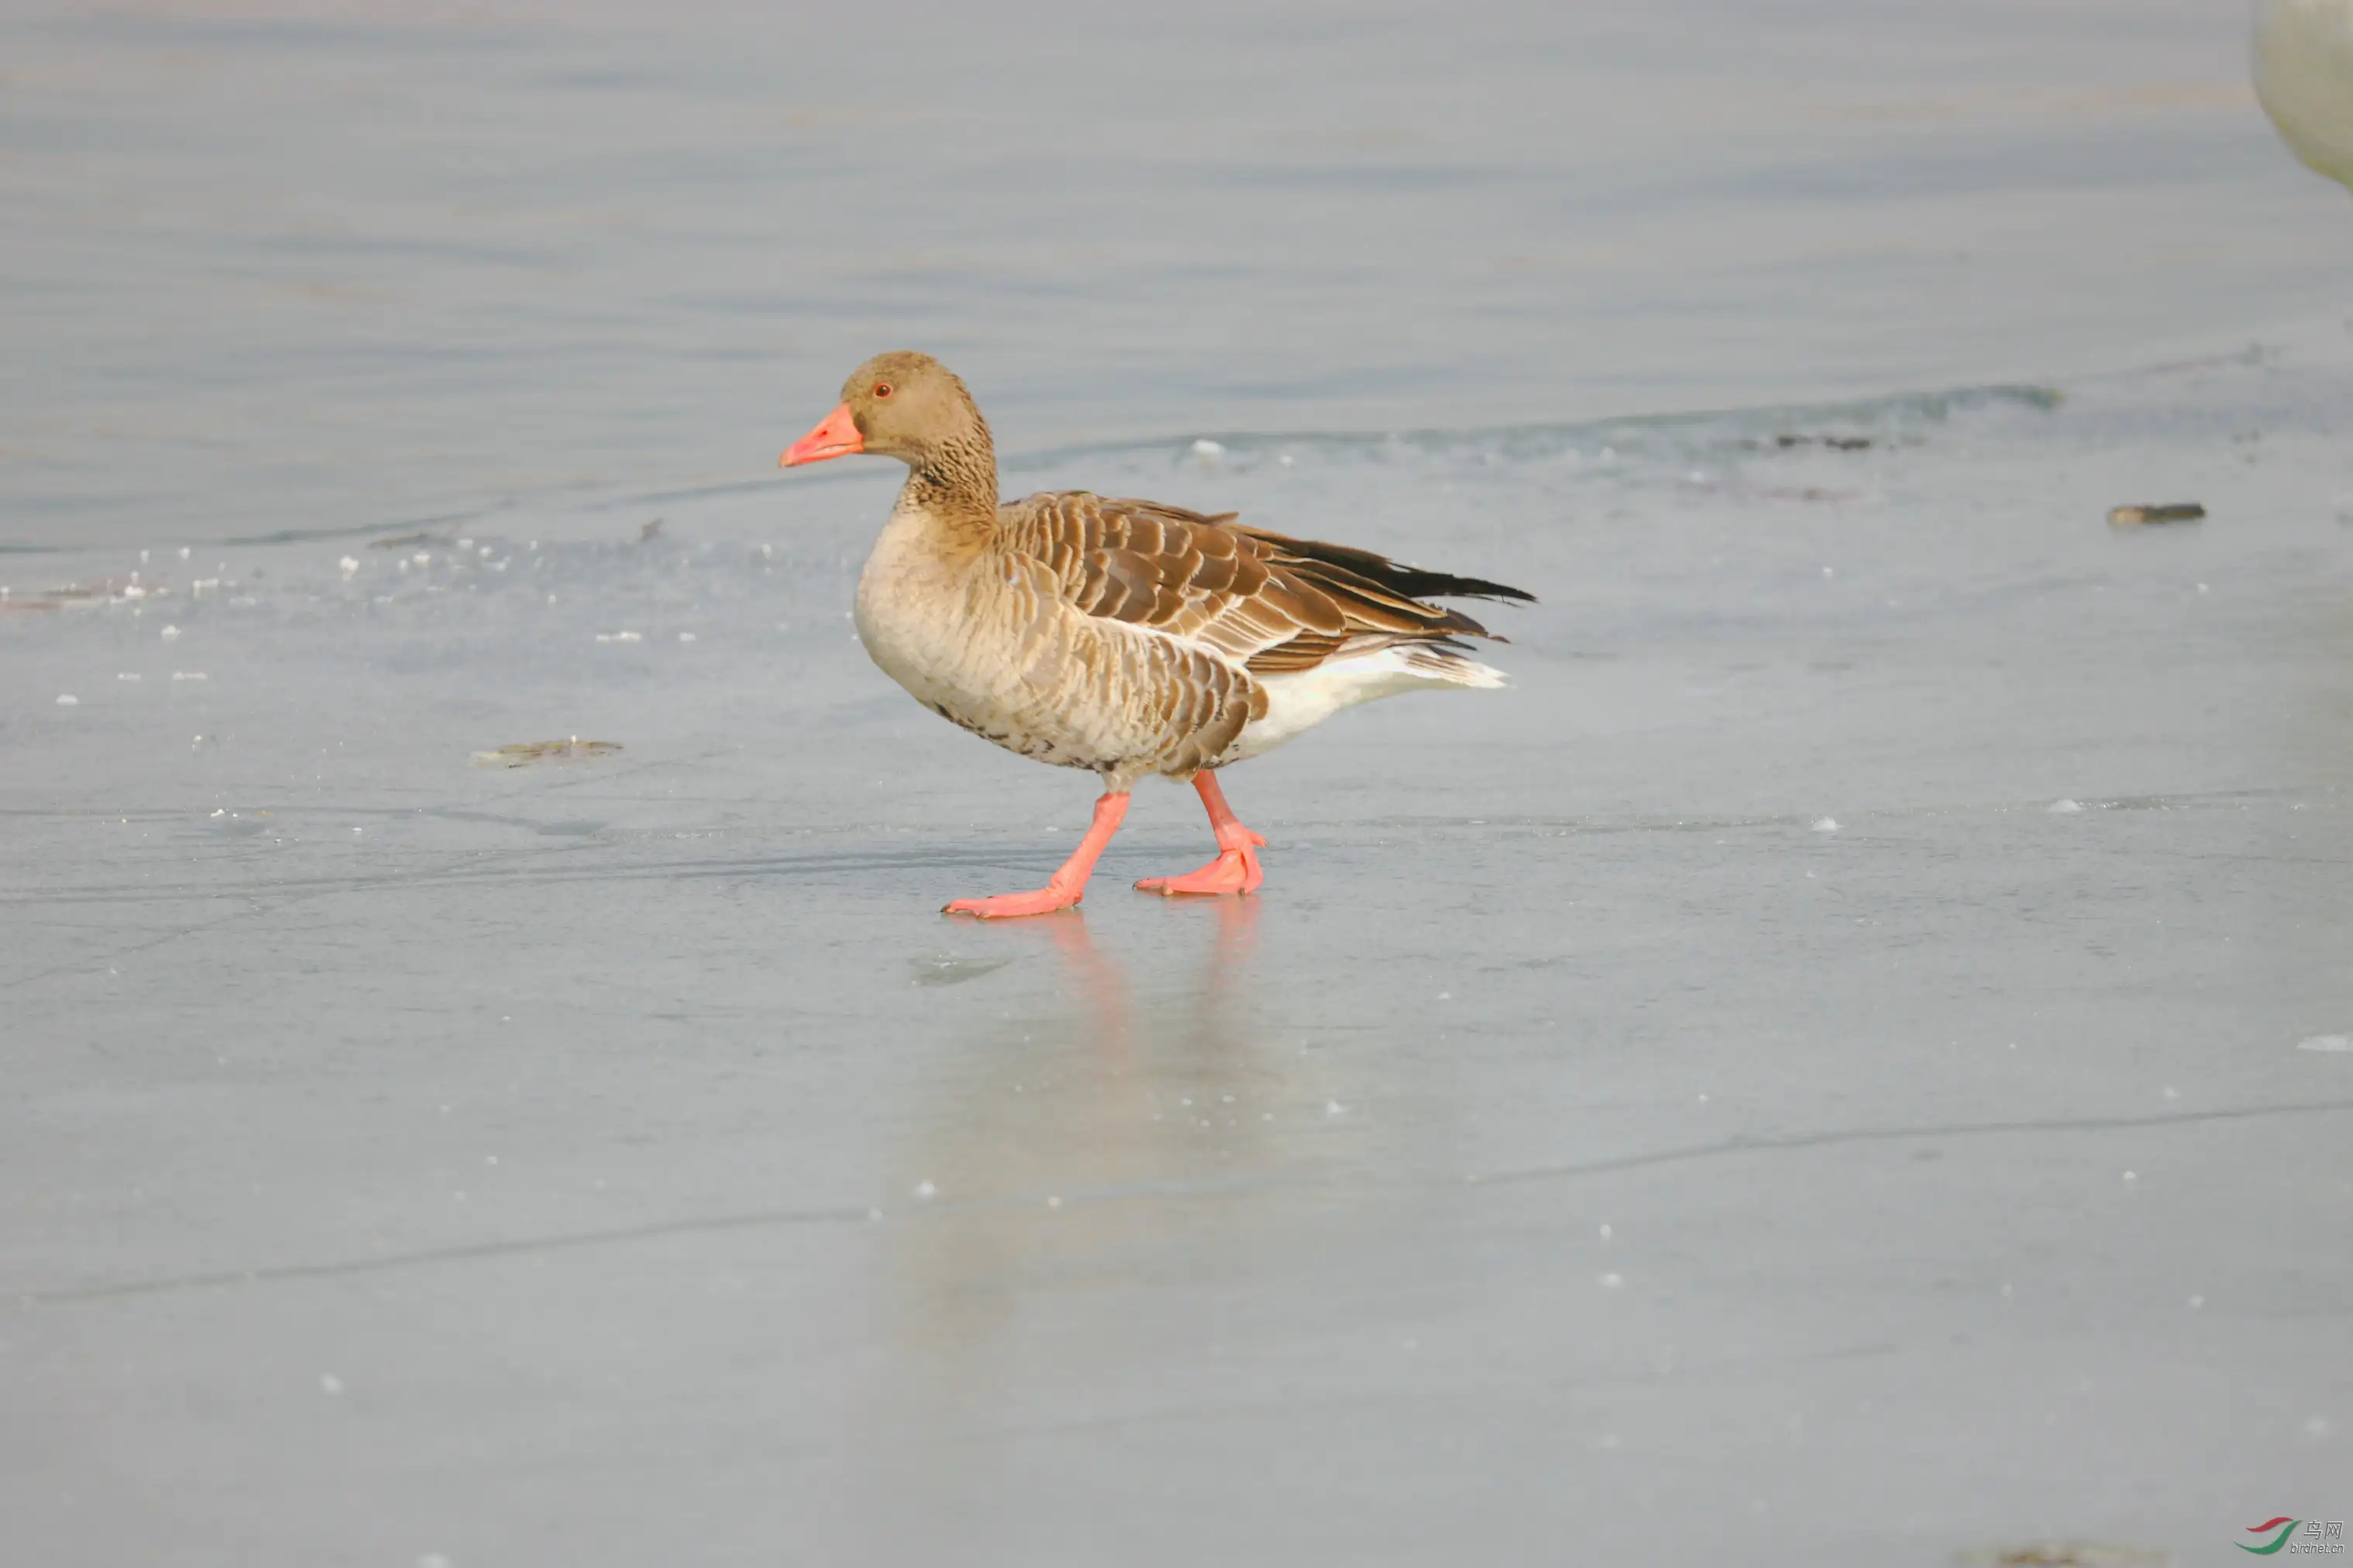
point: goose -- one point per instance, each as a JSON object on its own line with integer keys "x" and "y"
{"x": 2303, "y": 76}
{"x": 1126, "y": 638}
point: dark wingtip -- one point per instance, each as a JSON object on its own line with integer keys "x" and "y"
{"x": 1437, "y": 584}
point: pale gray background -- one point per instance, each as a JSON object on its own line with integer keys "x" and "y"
{"x": 1714, "y": 1102}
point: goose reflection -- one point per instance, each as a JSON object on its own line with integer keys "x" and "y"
{"x": 1117, "y": 1136}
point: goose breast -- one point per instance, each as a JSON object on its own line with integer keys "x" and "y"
{"x": 993, "y": 644}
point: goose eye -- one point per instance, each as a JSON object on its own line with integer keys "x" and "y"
{"x": 882, "y": 389}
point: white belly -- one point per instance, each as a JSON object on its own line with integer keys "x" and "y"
{"x": 1297, "y": 703}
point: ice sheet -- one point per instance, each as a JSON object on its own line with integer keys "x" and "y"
{"x": 1713, "y": 1083}
{"x": 1831, "y": 1067}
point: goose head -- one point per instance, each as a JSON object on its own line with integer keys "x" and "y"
{"x": 899, "y": 404}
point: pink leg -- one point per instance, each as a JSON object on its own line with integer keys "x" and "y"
{"x": 1235, "y": 870}
{"x": 1069, "y": 884}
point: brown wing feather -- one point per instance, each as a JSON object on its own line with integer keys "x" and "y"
{"x": 1305, "y": 651}
{"x": 1270, "y": 602}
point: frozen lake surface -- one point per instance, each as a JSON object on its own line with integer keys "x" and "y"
{"x": 1845, "y": 1061}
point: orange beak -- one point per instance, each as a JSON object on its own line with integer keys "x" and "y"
{"x": 837, "y": 437}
